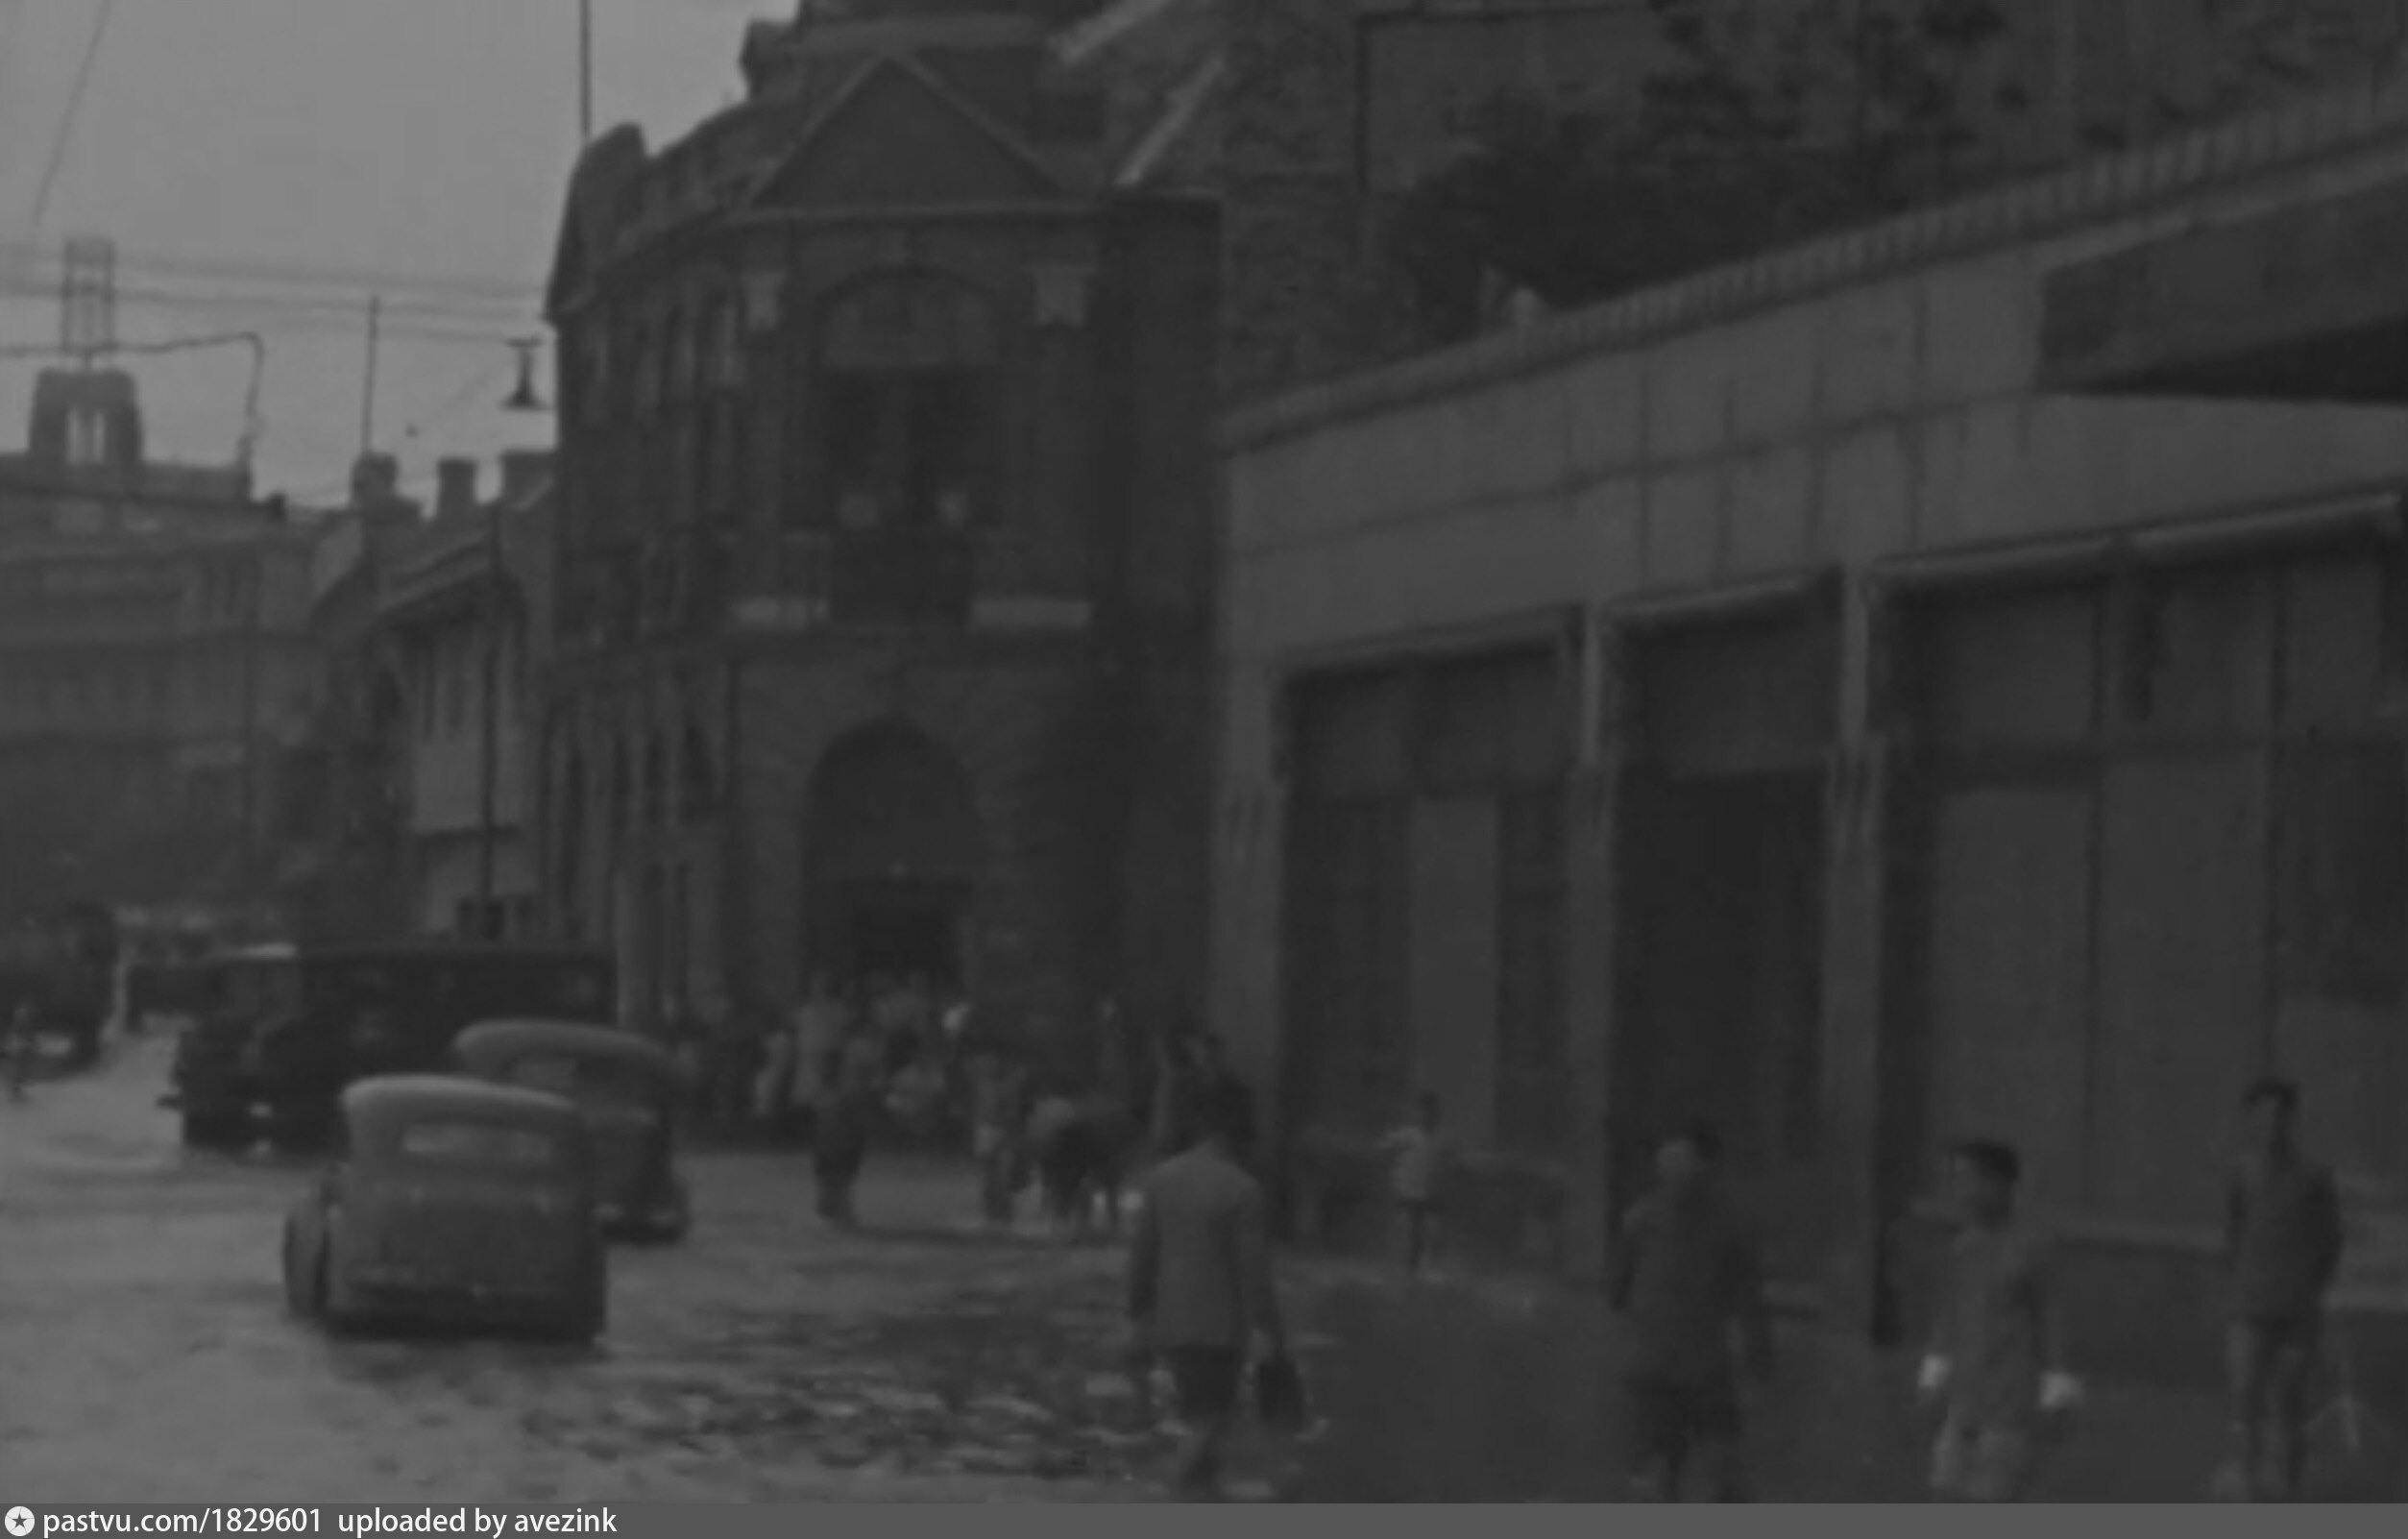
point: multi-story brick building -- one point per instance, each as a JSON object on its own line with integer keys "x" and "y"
{"x": 152, "y": 646}
{"x": 884, "y": 553}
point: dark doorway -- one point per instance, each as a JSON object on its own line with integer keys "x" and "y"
{"x": 893, "y": 852}
{"x": 903, "y": 930}
{"x": 1722, "y": 985}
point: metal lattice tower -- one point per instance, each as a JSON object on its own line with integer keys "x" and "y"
{"x": 87, "y": 300}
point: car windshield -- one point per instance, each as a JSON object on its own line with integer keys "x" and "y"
{"x": 587, "y": 1080}
{"x": 487, "y": 1146}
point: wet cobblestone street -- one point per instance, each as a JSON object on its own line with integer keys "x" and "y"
{"x": 145, "y": 1355}
{"x": 148, "y": 1354}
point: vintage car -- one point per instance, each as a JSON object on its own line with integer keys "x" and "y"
{"x": 448, "y": 1201}
{"x": 288, "y": 1026}
{"x": 627, "y": 1088}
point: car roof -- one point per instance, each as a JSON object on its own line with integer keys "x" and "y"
{"x": 389, "y": 1094}
{"x": 595, "y": 1039}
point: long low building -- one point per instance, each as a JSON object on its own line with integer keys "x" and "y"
{"x": 1944, "y": 681}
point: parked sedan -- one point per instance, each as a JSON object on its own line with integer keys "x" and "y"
{"x": 453, "y": 1201}
{"x": 628, "y": 1090}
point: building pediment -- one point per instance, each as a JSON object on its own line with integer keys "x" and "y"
{"x": 897, "y": 137}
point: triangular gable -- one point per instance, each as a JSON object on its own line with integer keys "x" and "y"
{"x": 898, "y": 137}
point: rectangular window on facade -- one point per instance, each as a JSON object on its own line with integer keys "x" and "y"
{"x": 908, "y": 446}
{"x": 949, "y": 430}
{"x": 2015, "y": 670}
{"x": 858, "y": 414}
{"x": 2194, "y": 653}
{"x": 1486, "y": 724}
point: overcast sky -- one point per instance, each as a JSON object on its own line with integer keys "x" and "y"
{"x": 264, "y": 164}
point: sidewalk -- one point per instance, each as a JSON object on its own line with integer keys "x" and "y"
{"x": 1444, "y": 1392}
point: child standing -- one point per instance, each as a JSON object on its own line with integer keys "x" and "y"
{"x": 1995, "y": 1364}
{"x": 1687, "y": 1278}
{"x": 1417, "y": 1155}
{"x": 2284, "y": 1239}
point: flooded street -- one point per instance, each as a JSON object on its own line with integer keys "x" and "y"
{"x": 149, "y": 1357}
{"x": 766, "y": 1359}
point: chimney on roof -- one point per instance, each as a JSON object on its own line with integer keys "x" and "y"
{"x": 376, "y": 478}
{"x": 524, "y": 472}
{"x": 456, "y": 489}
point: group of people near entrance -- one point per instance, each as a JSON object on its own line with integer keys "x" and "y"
{"x": 1996, "y": 1375}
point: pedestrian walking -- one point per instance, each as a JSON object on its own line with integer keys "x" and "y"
{"x": 839, "y": 1141}
{"x": 1996, "y": 1363}
{"x": 2283, "y": 1242}
{"x": 1062, "y": 1154}
{"x": 776, "y": 1080}
{"x": 997, "y": 1138}
{"x": 1689, "y": 1279}
{"x": 1201, "y": 1289}
{"x": 1418, "y": 1156}
{"x": 1205, "y": 1079}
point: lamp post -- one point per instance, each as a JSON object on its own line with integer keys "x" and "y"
{"x": 522, "y": 400}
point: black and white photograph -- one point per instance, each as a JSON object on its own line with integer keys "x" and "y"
{"x": 758, "y": 752}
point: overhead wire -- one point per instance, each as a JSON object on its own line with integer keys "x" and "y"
{"x": 444, "y": 410}
{"x": 286, "y": 315}
{"x": 65, "y": 134}
{"x": 433, "y": 285}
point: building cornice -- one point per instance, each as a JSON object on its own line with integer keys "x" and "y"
{"x": 2094, "y": 192}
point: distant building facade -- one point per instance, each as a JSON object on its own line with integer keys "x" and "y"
{"x": 152, "y": 645}
{"x": 884, "y": 553}
{"x": 457, "y": 614}
{"x": 344, "y": 819}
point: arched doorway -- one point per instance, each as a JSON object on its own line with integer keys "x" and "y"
{"x": 892, "y": 851}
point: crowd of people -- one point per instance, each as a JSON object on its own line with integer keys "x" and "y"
{"x": 900, "y": 1063}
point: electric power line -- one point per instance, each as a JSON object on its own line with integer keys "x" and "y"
{"x": 444, "y": 285}
{"x": 347, "y": 302}
{"x": 442, "y": 411}
{"x": 65, "y": 134}
{"x": 290, "y": 315}
{"x": 126, "y": 497}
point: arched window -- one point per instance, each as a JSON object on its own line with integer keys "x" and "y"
{"x": 908, "y": 403}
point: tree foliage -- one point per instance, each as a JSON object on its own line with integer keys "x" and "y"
{"x": 1767, "y": 121}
